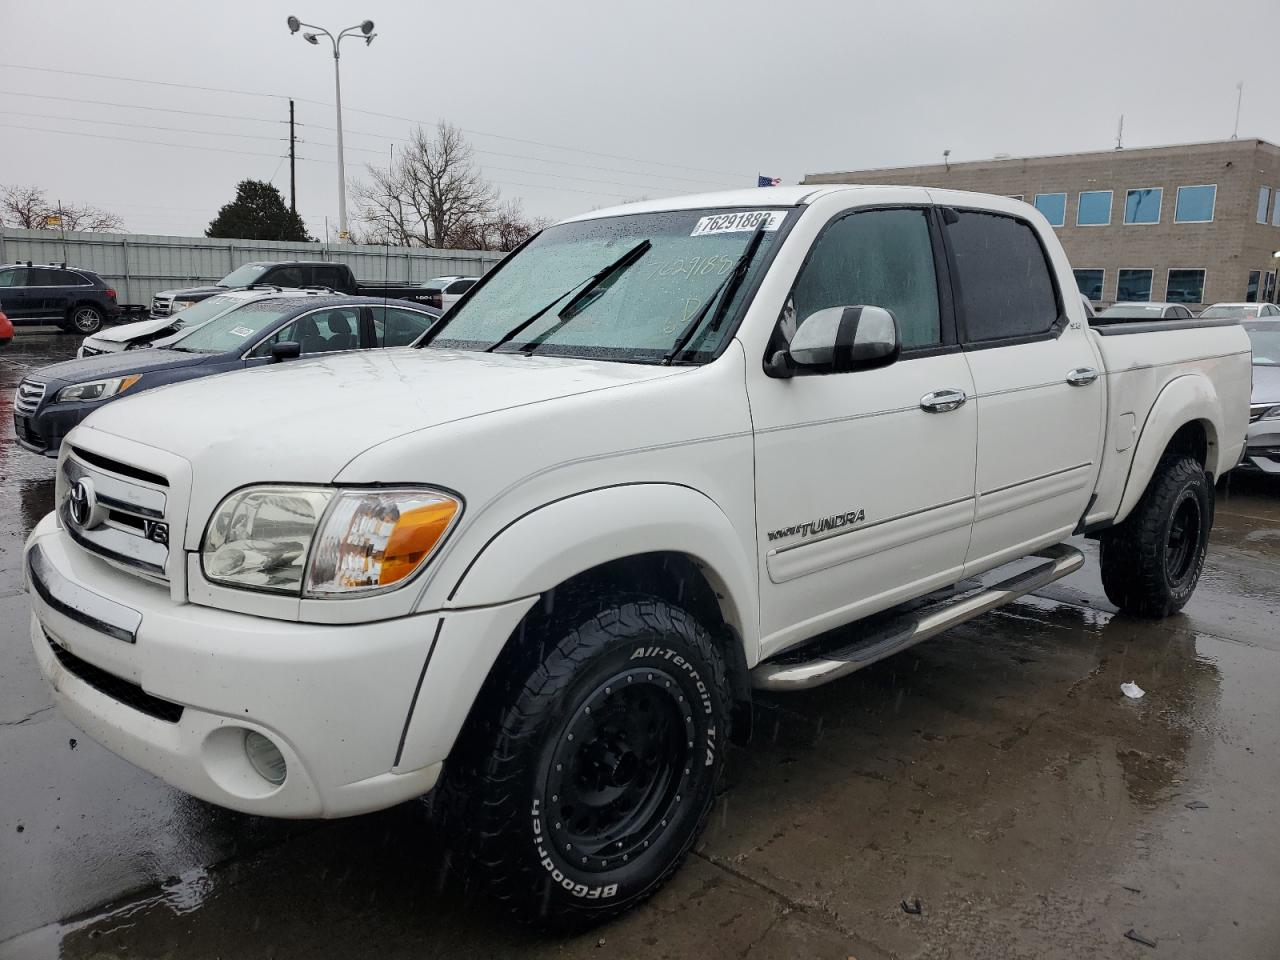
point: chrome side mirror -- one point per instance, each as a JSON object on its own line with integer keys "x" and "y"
{"x": 840, "y": 340}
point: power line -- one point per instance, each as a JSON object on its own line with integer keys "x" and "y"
{"x": 141, "y": 126}
{"x": 372, "y": 113}
{"x": 134, "y": 106}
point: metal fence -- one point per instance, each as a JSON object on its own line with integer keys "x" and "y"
{"x": 139, "y": 265}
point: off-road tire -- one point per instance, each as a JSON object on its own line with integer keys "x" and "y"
{"x": 511, "y": 783}
{"x": 1151, "y": 562}
{"x": 83, "y": 319}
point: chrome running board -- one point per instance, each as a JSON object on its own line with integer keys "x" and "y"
{"x": 909, "y": 629}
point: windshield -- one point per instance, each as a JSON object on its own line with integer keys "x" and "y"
{"x": 640, "y": 312}
{"x": 202, "y": 311}
{"x": 234, "y": 329}
{"x": 1224, "y": 311}
{"x": 1126, "y": 312}
{"x": 244, "y": 275}
{"x": 1265, "y": 339}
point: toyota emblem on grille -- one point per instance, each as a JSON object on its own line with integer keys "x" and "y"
{"x": 83, "y": 504}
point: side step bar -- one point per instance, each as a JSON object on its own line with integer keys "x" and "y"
{"x": 909, "y": 629}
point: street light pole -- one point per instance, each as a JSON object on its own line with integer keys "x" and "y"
{"x": 364, "y": 30}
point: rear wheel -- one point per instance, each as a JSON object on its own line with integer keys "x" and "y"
{"x": 586, "y": 774}
{"x": 1151, "y": 563}
{"x": 83, "y": 319}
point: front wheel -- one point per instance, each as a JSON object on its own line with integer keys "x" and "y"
{"x": 84, "y": 319}
{"x": 586, "y": 775}
{"x": 1151, "y": 562}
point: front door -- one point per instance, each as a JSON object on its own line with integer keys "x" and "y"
{"x": 15, "y": 296}
{"x": 863, "y": 496}
{"x": 1039, "y": 390}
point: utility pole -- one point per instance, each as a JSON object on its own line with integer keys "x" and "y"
{"x": 293, "y": 159}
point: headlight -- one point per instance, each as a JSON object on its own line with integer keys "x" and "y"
{"x": 97, "y": 389}
{"x": 181, "y": 305}
{"x": 330, "y": 542}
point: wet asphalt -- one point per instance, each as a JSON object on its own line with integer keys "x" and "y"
{"x": 995, "y": 773}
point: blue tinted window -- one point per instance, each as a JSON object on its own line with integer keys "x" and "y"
{"x": 1185, "y": 286}
{"x": 1195, "y": 204}
{"x": 1053, "y": 206}
{"x": 1133, "y": 285}
{"x": 1094, "y": 208}
{"x": 1089, "y": 283}
{"x": 1264, "y": 201}
{"x": 1143, "y": 206}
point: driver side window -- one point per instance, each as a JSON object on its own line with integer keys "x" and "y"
{"x": 881, "y": 258}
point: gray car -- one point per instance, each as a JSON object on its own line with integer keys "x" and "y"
{"x": 1262, "y": 447}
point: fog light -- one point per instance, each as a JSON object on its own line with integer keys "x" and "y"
{"x": 265, "y": 757}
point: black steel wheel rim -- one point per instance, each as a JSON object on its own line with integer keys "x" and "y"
{"x": 1183, "y": 545}
{"x": 621, "y": 770}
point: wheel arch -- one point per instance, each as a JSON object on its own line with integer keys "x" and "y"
{"x": 1186, "y": 417}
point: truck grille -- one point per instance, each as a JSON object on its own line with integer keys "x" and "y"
{"x": 28, "y": 397}
{"x": 161, "y": 307}
{"x": 127, "y": 522}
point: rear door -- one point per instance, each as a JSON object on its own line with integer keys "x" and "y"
{"x": 1039, "y": 395}
{"x": 15, "y": 297}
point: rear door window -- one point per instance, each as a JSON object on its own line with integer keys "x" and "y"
{"x": 1003, "y": 282}
{"x": 332, "y": 277}
{"x": 42, "y": 277}
{"x": 398, "y": 328}
{"x": 65, "y": 278}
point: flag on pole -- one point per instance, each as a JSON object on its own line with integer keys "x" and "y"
{"x": 763, "y": 181}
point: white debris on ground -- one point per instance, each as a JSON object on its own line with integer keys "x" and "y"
{"x": 1132, "y": 690}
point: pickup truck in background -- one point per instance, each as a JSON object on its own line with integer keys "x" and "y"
{"x": 665, "y": 455}
{"x": 287, "y": 273}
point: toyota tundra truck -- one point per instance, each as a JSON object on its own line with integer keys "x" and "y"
{"x": 664, "y": 456}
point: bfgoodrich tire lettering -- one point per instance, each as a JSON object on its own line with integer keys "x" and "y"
{"x": 584, "y": 778}
{"x": 1151, "y": 563}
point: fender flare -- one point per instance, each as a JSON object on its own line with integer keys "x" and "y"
{"x": 554, "y": 542}
{"x": 1186, "y": 399}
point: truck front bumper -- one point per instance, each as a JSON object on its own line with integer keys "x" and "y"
{"x": 1262, "y": 447}
{"x": 176, "y": 688}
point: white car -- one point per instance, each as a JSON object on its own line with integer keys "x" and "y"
{"x": 145, "y": 333}
{"x": 1242, "y": 311}
{"x": 540, "y": 561}
{"x": 1131, "y": 310}
{"x": 444, "y": 292}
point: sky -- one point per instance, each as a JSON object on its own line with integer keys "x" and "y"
{"x": 573, "y": 105}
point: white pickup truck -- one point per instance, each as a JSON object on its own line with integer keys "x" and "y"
{"x": 664, "y": 455}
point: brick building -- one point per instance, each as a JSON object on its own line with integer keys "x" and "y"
{"x": 1193, "y": 223}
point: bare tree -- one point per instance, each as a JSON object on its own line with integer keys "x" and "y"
{"x": 431, "y": 194}
{"x": 29, "y": 207}
{"x": 504, "y": 229}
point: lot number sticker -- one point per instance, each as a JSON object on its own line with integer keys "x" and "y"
{"x": 739, "y": 222}
{"x": 241, "y": 331}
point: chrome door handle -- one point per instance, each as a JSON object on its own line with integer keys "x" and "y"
{"x": 1082, "y": 376}
{"x": 942, "y": 401}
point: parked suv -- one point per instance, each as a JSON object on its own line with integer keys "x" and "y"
{"x": 77, "y": 300}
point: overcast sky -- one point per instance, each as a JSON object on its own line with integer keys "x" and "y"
{"x": 694, "y": 95}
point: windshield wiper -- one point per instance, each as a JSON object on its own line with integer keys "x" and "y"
{"x": 591, "y": 282}
{"x": 721, "y": 295}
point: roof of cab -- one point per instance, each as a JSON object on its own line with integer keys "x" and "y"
{"x": 752, "y": 197}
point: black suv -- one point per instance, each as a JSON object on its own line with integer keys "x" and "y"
{"x": 75, "y": 299}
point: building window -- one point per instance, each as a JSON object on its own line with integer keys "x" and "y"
{"x": 1053, "y": 206}
{"x": 1089, "y": 283}
{"x": 1093, "y": 208}
{"x": 1143, "y": 205}
{"x": 1275, "y": 213}
{"x": 1133, "y": 285}
{"x": 1268, "y": 286}
{"x": 1251, "y": 289}
{"x": 1185, "y": 286}
{"x": 1264, "y": 201}
{"x": 1195, "y": 204}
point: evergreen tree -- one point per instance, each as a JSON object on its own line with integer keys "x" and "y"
{"x": 257, "y": 213}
